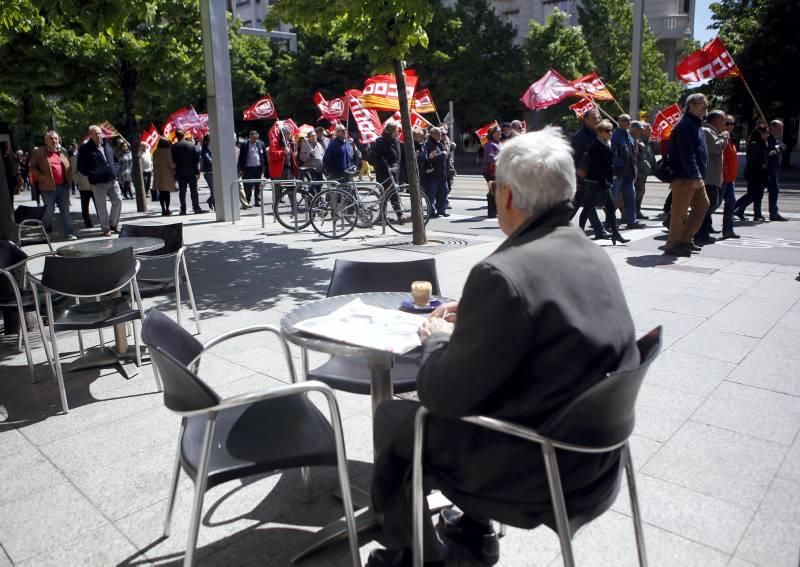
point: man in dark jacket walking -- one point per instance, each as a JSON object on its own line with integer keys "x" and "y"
{"x": 689, "y": 159}
{"x": 776, "y": 149}
{"x": 187, "y": 170}
{"x": 526, "y": 315}
{"x": 97, "y": 162}
{"x": 338, "y": 156}
{"x": 581, "y": 142}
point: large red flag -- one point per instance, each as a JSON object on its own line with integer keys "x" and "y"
{"x": 107, "y": 129}
{"x": 262, "y": 109}
{"x": 666, "y": 120}
{"x": 551, "y": 89}
{"x": 423, "y": 102}
{"x": 591, "y": 85}
{"x": 582, "y": 107}
{"x": 369, "y": 125}
{"x": 711, "y": 62}
{"x": 150, "y": 137}
{"x": 483, "y": 133}
{"x": 335, "y": 109}
{"x": 380, "y": 91}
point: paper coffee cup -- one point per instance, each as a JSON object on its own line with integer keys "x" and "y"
{"x": 421, "y": 292}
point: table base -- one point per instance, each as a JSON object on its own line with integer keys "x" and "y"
{"x": 100, "y": 357}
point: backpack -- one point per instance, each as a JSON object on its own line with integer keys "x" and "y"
{"x": 664, "y": 170}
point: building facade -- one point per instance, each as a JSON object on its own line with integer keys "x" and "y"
{"x": 672, "y": 21}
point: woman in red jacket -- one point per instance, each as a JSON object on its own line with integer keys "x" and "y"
{"x": 730, "y": 167}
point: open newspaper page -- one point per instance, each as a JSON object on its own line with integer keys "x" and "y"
{"x": 364, "y": 325}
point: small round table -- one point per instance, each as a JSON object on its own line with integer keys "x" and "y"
{"x": 140, "y": 244}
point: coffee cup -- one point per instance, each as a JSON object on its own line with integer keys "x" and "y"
{"x": 421, "y": 292}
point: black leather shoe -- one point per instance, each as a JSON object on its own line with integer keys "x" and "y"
{"x": 777, "y": 218}
{"x": 713, "y": 231}
{"x": 479, "y": 541}
{"x": 602, "y": 236}
{"x": 729, "y": 234}
{"x": 640, "y": 216}
{"x": 759, "y": 219}
{"x": 739, "y": 214}
{"x": 703, "y": 240}
{"x": 678, "y": 250}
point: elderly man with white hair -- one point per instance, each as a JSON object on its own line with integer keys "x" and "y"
{"x": 540, "y": 320}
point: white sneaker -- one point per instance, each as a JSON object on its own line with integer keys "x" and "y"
{"x": 72, "y": 237}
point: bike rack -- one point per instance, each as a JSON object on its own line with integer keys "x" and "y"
{"x": 381, "y": 191}
{"x": 235, "y": 194}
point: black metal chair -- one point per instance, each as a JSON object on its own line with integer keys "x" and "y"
{"x": 232, "y": 438}
{"x": 599, "y": 420}
{"x": 155, "y": 286}
{"x": 26, "y": 216}
{"x": 90, "y": 277}
{"x": 352, "y": 374}
{"x": 15, "y": 295}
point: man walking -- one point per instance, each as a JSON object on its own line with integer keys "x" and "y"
{"x": 581, "y": 142}
{"x": 776, "y": 149}
{"x": 645, "y": 162}
{"x": 51, "y": 167}
{"x": 623, "y": 151}
{"x": 251, "y": 164}
{"x": 338, "y": 157}
{"x": 730, "y": 167}
{"x": 689, "y": 158}
{"x": 96, "y": 162}
{"x": 716, "y": 141}
{"x": 187, "y": 171}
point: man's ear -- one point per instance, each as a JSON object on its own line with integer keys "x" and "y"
{"x": 506, "y": 198}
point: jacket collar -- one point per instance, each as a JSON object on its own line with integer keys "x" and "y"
{"x": 536, "y": 227}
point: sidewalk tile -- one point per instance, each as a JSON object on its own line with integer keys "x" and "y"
{"x": 768, "y": 371}
{"x": 689, "y": 373}
{"x": 677, "y": 324}
{"x": 790, "y": 470}
{"x": 104, "y": 546}
{"x": 715, "y": 344}
{"x": 661, "y": 412}
{"x": 750, "y": 316}
{"x": 749, "y": 268}
{"x": 25, "y": 473}
{"x": 691, "y": 305}
{"x": 772, "y": 537}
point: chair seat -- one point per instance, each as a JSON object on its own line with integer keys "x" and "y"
{"x": 95, "y": 315}
{"x": 352, "y": 374}
{"x": 286, "y": 432}
{"x": 28, "y": 304}
{"x": 155, "y": 287}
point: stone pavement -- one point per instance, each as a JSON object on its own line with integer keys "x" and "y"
{"x": 716, "y": 442}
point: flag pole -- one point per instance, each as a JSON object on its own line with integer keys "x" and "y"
{"x": 760, "y": 112}
{"x": 599, "y": 108}
{"x": 622, "y": 110}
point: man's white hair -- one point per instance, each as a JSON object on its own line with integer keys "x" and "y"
{"x": 539, "y": 169}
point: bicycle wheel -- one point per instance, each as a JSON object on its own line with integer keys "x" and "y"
{"x": 334, "y": 213}
{"x": 396, "y": 210}
{"x": 292, "y": 207}
{"x": 369, "y": 210}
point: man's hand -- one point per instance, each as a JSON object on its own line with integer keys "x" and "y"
{"x": 434, "y": 325}
{"x": 447, "y": 311}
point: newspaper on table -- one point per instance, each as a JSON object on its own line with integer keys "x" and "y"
{"x": 368, "y": 326}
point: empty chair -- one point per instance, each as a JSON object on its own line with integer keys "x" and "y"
{"x": 352, "y": 374}
{"x": 600, "y": 420}
{"x": 32, "y": 217}
{"x": 227, "y": 439}
{"x": 154, "y": 286}
{"x": 15, "y": 295}
{"x": 93, "y": 277}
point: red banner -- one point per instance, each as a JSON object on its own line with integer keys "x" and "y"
{"x": 380, "y": 92}
{"x": 335, "y": 109}
{"x": 417, "y": 121}
{"x": 711, "y": 62}
{"x": 582, "y": 107}
{"x": 150, "y": 138}
{"x": 423, "y": 102}
{"x": 369, "y": 125}
{"x": 262, "y": 109}
{"x": 551, "y": 89}
{"x": 592, "y": 86}
{"x": 483, "y": 133}
{"x": 666, "y": 120}
{"x": 107, "y": 129}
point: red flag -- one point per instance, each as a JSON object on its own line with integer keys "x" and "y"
{"x": 666, "y": 120}
{"x": 551, "y": 89}
{"x": 107, "y": 129}
{"x": 417, "y": 121}
{"x": 199, "y": 132}
{"x": 262, "y": 109}
{"x": 150, "y": 138}
{"x": 582, "y": 107}
{"x": 423, "y": 102}
{"x": 369, "y": 125}
{"x": 592, "y": 86}
{"x": 335, "y": 109}
{"x": 711, "y": 62}
{"x": 483, "y": 133}
{"x": 380, "y": 92}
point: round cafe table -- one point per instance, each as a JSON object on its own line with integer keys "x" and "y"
{"x": 86, "y": 248}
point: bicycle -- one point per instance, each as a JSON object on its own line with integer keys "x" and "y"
{"x": 291, "y": 203}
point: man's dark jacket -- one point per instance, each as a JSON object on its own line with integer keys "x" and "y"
{"x": 187, "y": 159}
{"x": 338, "y": 157}
{"x": 581, "y": 143}
{"x": 387, "y": 156}
{"x": 540, "y": 320}
{"x": 774, "y": 161}
{"x": 688, "y": 153}
{"x": 262, "y": 151}
{"x": 93, "y": 166}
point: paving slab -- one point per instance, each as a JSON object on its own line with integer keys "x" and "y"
{"x": 772, "y": 539}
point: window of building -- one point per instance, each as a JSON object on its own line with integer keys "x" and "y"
{"x": 685, "y": 6}
{"x": 567, "y": 6}
{"x": 247, "y": 23}
{"x": 242, "y": 2}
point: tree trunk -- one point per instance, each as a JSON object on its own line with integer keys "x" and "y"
{"x": 8, "y": 228}
{"x": 27, "y": 117}
{"x": 138, "y": 180}
{"x": 128, "y": 81}
{"x": 417, "y": 220}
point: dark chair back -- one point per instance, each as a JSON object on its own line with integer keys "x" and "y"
{"x": 24, "y": 212}
{"x": 172, "y": 348}
{"x": 363, "y": 277}
{"x": 171, "y": 234}
{"x": 93, "y": 275}
{"x": 603, "y": 415}
{"x": 10, "y": 254}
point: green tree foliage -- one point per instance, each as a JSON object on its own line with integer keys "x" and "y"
{"x": 608, "y": 27}
{"x": 472, "y": 60}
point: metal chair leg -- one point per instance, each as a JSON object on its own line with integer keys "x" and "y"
{"x": 24, "y": 337}
{"x": 190, "y": 291}
{"x": 559, "y": 507}
{"x": 305, "y": 472}
{"x": 199, "y": 492}
{"x": 635, "y": 510}
{"x": 100, "y": 331}
{"x": 136, "y": 344}
{"x": 177, "y": 276}
{"x": 173, "y": 489}
{"x": 56, "y": 360}
{"x": 502, "y": 529}
{"x": 40, "y": 324}
{"x": 417, "y": 494}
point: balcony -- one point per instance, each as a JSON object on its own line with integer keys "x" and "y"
{"x": 678, "y": 26}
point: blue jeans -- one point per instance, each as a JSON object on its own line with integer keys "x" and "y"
{"x": 714, "y": 200}
{"x": 58, "y": 196}
{"x": 728, "y": 197}
{"x": 625, "y": 186}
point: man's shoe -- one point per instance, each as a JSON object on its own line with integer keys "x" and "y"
{"x": 480, "y": 541}
{"x": 434, "y": 216}
{"x": 641, "y": 216}
{"x": 199, "y": 211}
{"x": 678, "y": 250}
{"x": 729, "y": 234}
{"x": 738, "y": 213}
{"x": 777, "y": 218}
{"x": 712, "y": 230}
{"x": 703, "y": 240}
{"x": 115, "y": 230}
{"x": 635, "y": 225}
{"x": 759, "y": 219}
{"x": 183, "y": 212}
{"x": 444, "y": 214}
{"x": 106, "y": 233}
{"x": 71, "y": 237}
{"x": 88, "y": 225}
